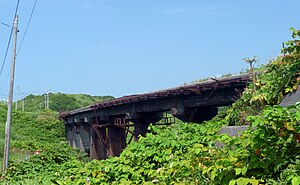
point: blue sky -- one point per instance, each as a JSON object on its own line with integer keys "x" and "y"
{"x": 118, "y": 47}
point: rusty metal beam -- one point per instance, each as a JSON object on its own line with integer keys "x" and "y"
{"x": 112, "y": 119}
{"x": 240, "y": 80}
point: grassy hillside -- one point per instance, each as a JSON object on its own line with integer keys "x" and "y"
{"x": 60, "y": 102}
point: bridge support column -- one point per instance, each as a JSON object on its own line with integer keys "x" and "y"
{"x": 80, "y": 137}
{"x": 76, "y": 136}
{"x": 143, "y": 120}
{"x": 194, "y": 114}
{"x": 85, "y": 137}
{"x": 117, "y": 140}
{"x": 98, "y": 145}
{"x": 69, "y": 134}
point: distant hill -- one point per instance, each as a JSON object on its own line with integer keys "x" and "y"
{"x": 60, "y": 101}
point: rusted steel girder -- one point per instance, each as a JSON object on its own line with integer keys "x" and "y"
{"x": 109, "y": 121}
{"x": 198, "y": 88}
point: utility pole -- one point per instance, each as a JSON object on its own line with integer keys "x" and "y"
{"x": 45, "y": 101}
{"x": 23, "y": 104}
{"x": 48, "y": 99}
{"x": 18, "y": 92}
{"x": 10, "y": 99}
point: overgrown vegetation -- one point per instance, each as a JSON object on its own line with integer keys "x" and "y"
{"x": 268, "y": 152}
{"x": 206, "y": 79}
{"x": 37, "y": 144}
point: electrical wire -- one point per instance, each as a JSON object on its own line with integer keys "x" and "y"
{"x": 28, "y": 23}
{"x": 5, "y": 24}
{"x": 17, "y": 7}
{"x": 3, "y": 84}
{"x": 32, "y": 11}
{"x": 6, "y": 52}
{"x": 9, "y": 40}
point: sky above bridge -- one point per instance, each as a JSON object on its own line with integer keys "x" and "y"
{"x": 122, "y": 47}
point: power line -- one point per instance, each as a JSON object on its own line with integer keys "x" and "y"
{"x": 17, "y": 7}
{"x": 6, "y": 52}
{"x": 28, "y": 23}
{"x": 32, "y": 11}
{"x": 3, "y": 84}
{"x": 9, "y": 40}
{"x": 5, "y": 24}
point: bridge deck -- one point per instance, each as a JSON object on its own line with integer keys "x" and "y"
{"x": 101, "y": 129}
{"x": 196, "y": 88}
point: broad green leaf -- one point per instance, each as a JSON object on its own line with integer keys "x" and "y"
{"x": 232, "y": 182}
{"x": 297, "y": 115}
{"x": 246, "y": 142}
{"x": 242, "y": 181}
{"x": 244, "y": 170}
{"x": 238, "y": 171}
{"x": 296, "y": 180}
{"x": 254, "y": 181}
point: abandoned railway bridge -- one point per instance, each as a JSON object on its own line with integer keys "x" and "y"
{"x": 101, "y": 129}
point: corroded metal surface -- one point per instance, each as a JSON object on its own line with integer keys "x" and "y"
{"x": 197, "y": 88}
{"x": 101, "y": 129}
